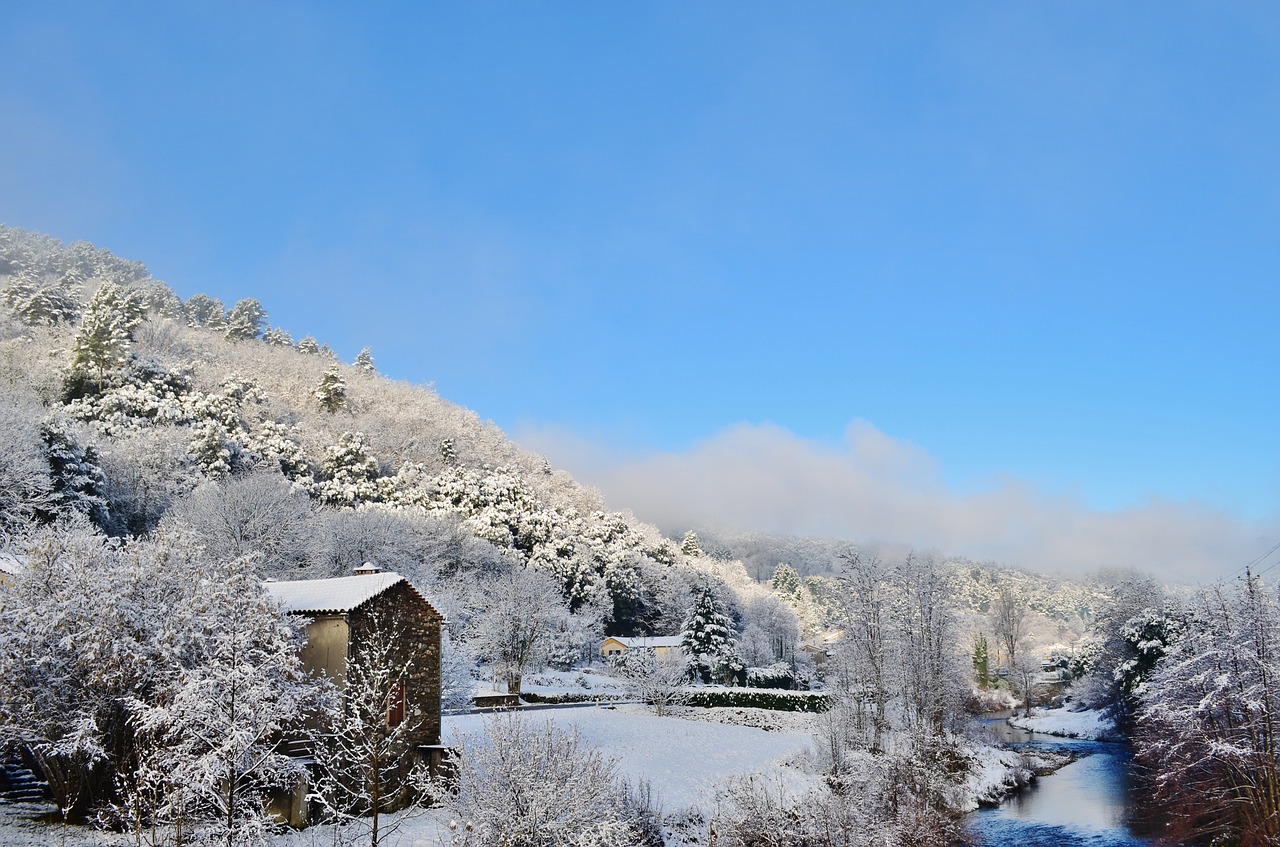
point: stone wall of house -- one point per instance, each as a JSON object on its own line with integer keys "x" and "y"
{"x": 412, "y": 626}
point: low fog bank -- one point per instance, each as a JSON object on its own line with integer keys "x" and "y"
{"x": 878, "y": 490}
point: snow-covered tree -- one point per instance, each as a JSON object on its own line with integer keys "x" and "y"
{"x": 221, "y": 712}
{"x": 707, "y": 637}
{"x": 331, "y": 393}
{"x": 539, "y": 786}
{"x": 257, "y": 513}
{"x": 657, "y": 681}
{"x": 102, "y": 342}
{"x": 456, "y": 677}
{"x": 73, "y": 470}
{"x": 244, "y": 320}
{"x": 786, "y": 580}
{"x": 277, "y": 337}
{"x": 203, "y": 310}
{"x": 26, "y": 488}
{"x": 368, "y": 765}
{"x": 364, "y": 362}
{"x": 1209, "y": 723}
{"x": 351, "y": 472}
{"x": 43, "y": 299}
{"x": 690, "y": 546}
{"x": 309, "y": 345}
{"x": 523, "y": 611}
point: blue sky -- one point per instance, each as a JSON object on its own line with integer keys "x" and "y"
{"x": 1033, "y": 246}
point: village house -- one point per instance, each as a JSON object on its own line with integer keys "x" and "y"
{"x": 347, "y": 614}
{"x": 661, "y": 645}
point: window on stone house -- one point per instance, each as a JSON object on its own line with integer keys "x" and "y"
{"x": 396, "y": 703}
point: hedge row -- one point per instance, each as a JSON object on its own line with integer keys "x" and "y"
{"x": 756, "y": 698}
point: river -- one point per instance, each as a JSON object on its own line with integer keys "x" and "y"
{"x": 1088, "y": 803}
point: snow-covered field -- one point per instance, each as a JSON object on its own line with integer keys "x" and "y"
{"x": 682, "y": 758}
{"x": 1089, "y": 724}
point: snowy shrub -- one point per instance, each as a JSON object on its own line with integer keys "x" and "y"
{"x": 755, "y": 698}
{"x": 526, "y": 785}
{"x": 777, "y": 675}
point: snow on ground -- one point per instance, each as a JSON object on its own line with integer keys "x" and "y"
{"x": 1088, "y": 724}
{"x": 683, "y": 760}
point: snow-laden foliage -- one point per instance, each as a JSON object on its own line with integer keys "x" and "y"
{"x": 146, "y": 682}
{"x": 73, "y": 470}
{"x": 331, "y": 393}
{"x": 102, "y": 342}
{"x": 1209, "y": 720}
{"x": 244, "y": 320}
{"x": 521, "y": 784}
{"x": 522, "y": 612}
{"x": 656, "y": 680}
{"x": 707, "y": 637}
{"x": 364, "y": 362}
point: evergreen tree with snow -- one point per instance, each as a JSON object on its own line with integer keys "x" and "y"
{"x": 331, "y": 393}
{"x": 309, "y": 345}
{"x": 203, "y": 310}
{"x": 77, "y": 479}
{"x": 364, "y": 362}
{"x": 244, "y": 320}
{"x": 786, "y": 580}
{"x": 707, "y": 636}
{"x": 691, "y": 546}
{"x": 277, "y": 337}
{"x": 43, "y": 300}
{"x": 106, "y": 330}
{"x": 351, "y": 471}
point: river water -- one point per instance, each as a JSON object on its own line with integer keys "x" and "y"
{"x": 1091, "y": 802}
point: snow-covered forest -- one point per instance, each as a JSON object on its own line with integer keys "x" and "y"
{"x": 161, "y": 457}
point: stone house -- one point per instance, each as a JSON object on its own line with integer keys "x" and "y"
{"x": 347, "y": 615}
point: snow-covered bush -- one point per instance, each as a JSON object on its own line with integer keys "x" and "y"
{"x": 536, "y": 785}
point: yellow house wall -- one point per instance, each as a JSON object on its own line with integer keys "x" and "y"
{"x": 326, "y": 649}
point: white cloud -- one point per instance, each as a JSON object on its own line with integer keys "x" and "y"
{"x": 875, "y": 488}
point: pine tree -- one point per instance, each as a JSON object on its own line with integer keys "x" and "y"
{"x": 106, "y": 330}
{"x": 691, "y": 546}
{"x": 277, "y": 337}
{"x": 203, "y": 310}
{"x": 352, "y": 472}
{"x": 73, "y": 469}
{"x": 786, "y": 580}
{"x": 309, "y": 345}
{"x": 46, "y": 300}
{"x": 364, "y": 362}
{"x": 244, "y": 321}
{"x": 707, "y": 636}
{"x": 332, "y": 391}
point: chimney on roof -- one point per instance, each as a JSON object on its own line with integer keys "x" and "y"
{"x": 367, "y": 568}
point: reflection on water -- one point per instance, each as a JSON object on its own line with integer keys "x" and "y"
{"x": 1088, "y": 802}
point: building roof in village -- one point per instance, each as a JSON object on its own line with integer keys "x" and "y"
{"x": 646, "y": 642}
{"x": 331, "y": 596}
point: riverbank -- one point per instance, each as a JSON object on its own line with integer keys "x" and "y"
{"x": 1085, "y": 724}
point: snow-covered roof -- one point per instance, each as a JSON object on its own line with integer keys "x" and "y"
{"x": 12, "y": 564}
{"x": 331, "y": 596}
{"x": 647, "y": 642}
